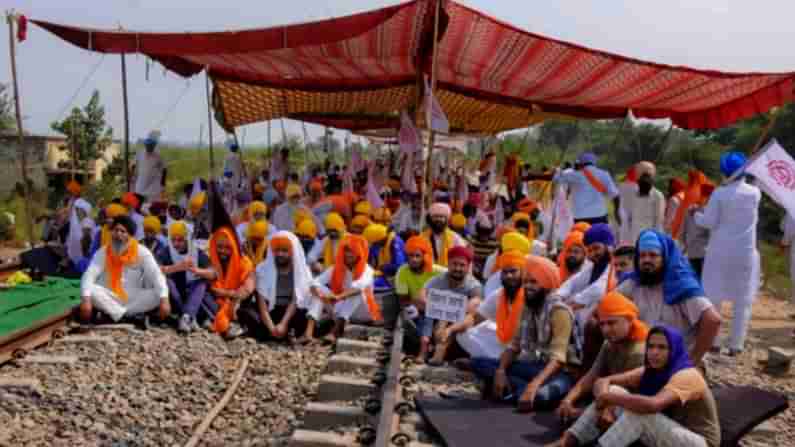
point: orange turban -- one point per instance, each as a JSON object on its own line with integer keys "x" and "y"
{"x": 74, "y": 188}
{"x": 131, "y": 200}
{"x": 615, "y": 304}
{"x": 281, "y": 242}
{"x": 512, "y": 259}
{"x": 544, "y": 271}
{"x": 574, "y": 238}
{"x": 356, "y": 244}
{"x": 527, "y": 206}
{"x": 315, "y": 186}
{"x": 418, "y": 243}
{"x": 582, "y": 227}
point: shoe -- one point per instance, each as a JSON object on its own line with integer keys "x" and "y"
{"x": 234, "y": 331}
{"x": 185, "y": 324}
{"x": 140, "y": 321}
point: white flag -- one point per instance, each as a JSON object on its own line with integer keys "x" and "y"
{"x": 409, "y": 137}
{"x": 775, "y": 172}
{"x": 407, "y": 181}
{"x": 435, "y": 118}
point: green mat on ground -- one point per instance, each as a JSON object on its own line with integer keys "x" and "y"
{"x": 27, "y": 304}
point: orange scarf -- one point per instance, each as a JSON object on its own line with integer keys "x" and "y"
{"x": 115, "y": 264}
{"x": 692, "y": 196}
{"x": 237, "y": 271}
{"x": 328, "y": 251}
{"x": 508, "y": 316}
{"x": 104, "y": 236}
{"x": 358, "y": 245}
{"x": 447, "y": 244}
{"x": 597, "y": 185}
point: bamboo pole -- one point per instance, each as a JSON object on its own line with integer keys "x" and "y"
{"x": 10, "y": 17}
{"x": 426, "y": 202}
{"x": 126, "y": 121}
{"x": 209, "y": 120}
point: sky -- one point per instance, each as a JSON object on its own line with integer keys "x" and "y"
{"x": 729, "y": 35}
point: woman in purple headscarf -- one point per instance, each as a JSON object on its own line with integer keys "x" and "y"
{"x": 671, "y": 404}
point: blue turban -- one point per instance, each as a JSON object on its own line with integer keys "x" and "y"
{"x": 648, "y": 241}
{"x": 599, "y": 233}
{"x": 680, "y": 282}
{"x": 730, "y": 162}
{"x": 149, "y": 141}
{"x": 234, "y": 147}
{"x": 587, "y": 158}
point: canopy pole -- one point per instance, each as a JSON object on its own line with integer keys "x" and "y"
{"x": 20, "y": 133}
{"x": 431, "y": 134}
{"x": 126, "y": 121}
{"x": 209, "y": 120}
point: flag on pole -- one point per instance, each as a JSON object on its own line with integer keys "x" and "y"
{"x": 407, "y": 182}
{"x": 435, "y": 118}
{"x": 409, "y": 137}
{"x": 774, "y": 169}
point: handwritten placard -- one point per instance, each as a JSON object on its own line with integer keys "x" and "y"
{"x": 445, "y": 305}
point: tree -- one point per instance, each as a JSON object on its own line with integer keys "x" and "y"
{"x": 87, "y": 135}
{"x": 562, "y": 134}
{"x": 7, "y": 121}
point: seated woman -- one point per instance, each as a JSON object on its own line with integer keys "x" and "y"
{"x": 671, "y": 406}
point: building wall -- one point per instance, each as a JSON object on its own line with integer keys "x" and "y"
{"x": 10, "y": 162}
{"x": 55, "y": 155}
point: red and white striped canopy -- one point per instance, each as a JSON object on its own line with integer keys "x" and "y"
{"x": 358, "y": 72}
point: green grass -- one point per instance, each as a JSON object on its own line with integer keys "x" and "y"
{"x": 775, "y": 268}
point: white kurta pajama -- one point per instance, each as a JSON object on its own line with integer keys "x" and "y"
{"x": 149, "y": 169}
{"x": 643, "y": 213}
{"x": 578, "y": 289}
{"x": 732, "y": 264}
{"x": 348, "y": 308}
{"x": 143, "y": 281}
{"x": 234, "y": 164}
{"x": 626, "y": 192}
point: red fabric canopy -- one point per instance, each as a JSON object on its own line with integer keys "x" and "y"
{"x": 359, "y": 71}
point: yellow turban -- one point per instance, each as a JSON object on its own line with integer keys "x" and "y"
{"x": 520, "y": 216}
{"x": 257, "y": 230}
{"x": 258, "y": 188}
{"x": 334, "y": 222}
{"x": 152, "y": 223}
{"x": 307, "y": 228}
{"x": 375, "y": 233}
{"x": 514, "y": 241}
{"x": 197, "y": 202}
{"x": 301, "y": 215}
{"x": 360, "y": 221}
{"x": 458, "y": 221}
{"x": 292, "y": 190}
{"x": 363, "y": 208}
{"x": 382, "y": 215}
{"x": 257, "y": 207}
{"x": 178, "y": 228}
{"x": 115, "y": 210}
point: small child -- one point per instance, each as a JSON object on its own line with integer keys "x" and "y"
{"x": 624, "y": 262}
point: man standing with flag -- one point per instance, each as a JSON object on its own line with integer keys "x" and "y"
{"x": 732, "y": 265}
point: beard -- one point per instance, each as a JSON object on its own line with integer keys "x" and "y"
{"x": 644, "y": 188}
{"x": 536, "y": 299}
{"x": 457, "y": 276}
{"x": 118, "y": 246}
{"x": 438, "y": 228}
{"x": 282, "y": 261}
{"x": 573, "y": 264}
{"x": 650, "y": 279}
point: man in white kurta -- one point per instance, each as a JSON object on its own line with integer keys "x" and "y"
{"x": 149, "y": 171}
{"x": 123, "y": 267}
{"x": 732, "y": 264}
{"x": 646, "y": 208}
{"x": 285, "y": 216}
{"x": 788, "y": 241}
{"x": 234, "y": 163}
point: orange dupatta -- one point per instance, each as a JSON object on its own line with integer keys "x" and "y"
{"x": 358, "y": 245}
{"x": 237, "y": 271}
{"x": 692, "y": 196}
{"x": 114, "y": 264}
{"x": 597, "y": 185}
{"x": 508, "y": 316}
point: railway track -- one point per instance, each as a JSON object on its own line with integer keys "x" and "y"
{"x": 364, "y": 397}
{"x": 19, "y": 343}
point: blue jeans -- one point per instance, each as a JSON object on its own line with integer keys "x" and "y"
{"x": 520, "y": 374}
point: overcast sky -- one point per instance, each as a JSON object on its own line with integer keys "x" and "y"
{"x": 731, "y": 35}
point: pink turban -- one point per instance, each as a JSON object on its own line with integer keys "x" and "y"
{"x": 440, "y": 209}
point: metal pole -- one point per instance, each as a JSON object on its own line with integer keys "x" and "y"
{"x": 20, "y": 132}
{"x": 126, "y": 121}
{"x": 209, "y": 120}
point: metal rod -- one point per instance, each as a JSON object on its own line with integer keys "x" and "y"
{"x": 126, "y": 121}
{"x": 20, "y": 133}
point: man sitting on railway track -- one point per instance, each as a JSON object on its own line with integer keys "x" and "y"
{"x": 441, "y": 237}
{"x": 343, "y": 287}
{"x": 538, "y": 366}
{"x": 283, "y": 282}
{"x": 124, "y": 279}
{"x": 187, "y": 270}
{"x": 322, "y": 255}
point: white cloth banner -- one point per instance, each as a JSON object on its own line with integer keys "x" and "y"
{"x": 407, "y": 181}
{"x": 564, "y": 219}
{"x": 409, "y": 137}
{"x": 446, "y": 305}
{"x": 435, "y": 118}
{"x": 774, "y": 170}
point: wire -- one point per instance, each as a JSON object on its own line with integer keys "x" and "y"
{"x": 173, "y": 106}
{"x": 83, "y": 84}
